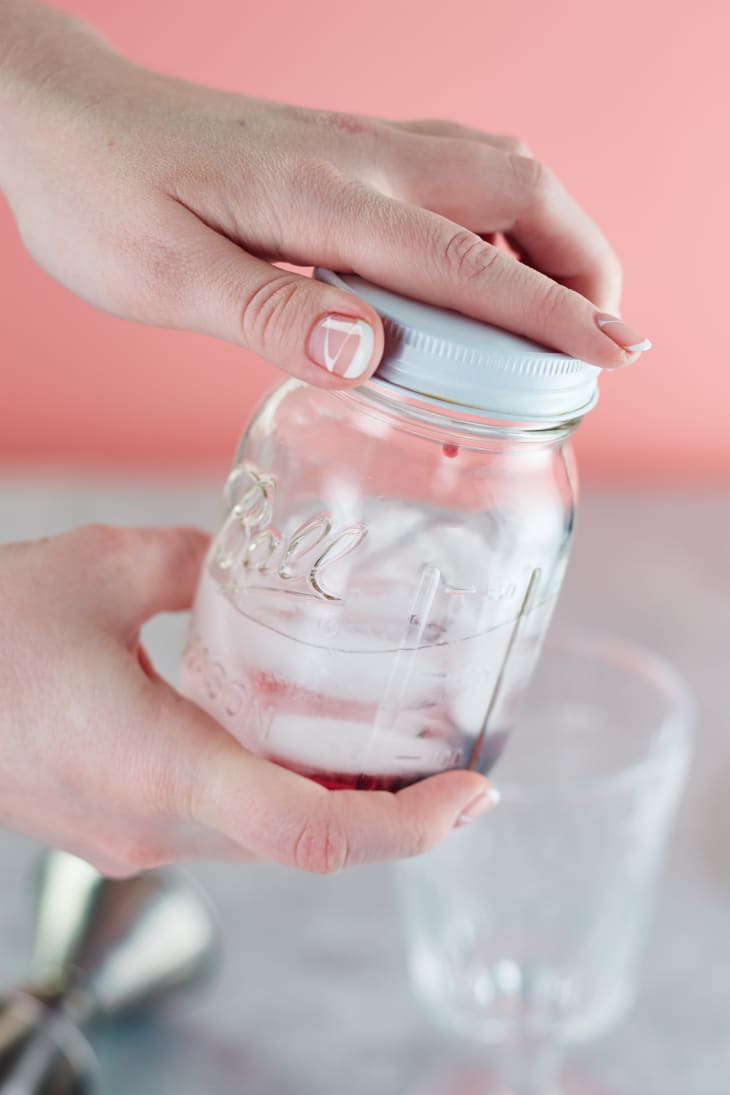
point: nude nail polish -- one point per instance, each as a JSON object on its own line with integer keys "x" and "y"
{"x": 623, "y": 335}
{"x": 343, "y": 345}
{"x": 485, "y": 800}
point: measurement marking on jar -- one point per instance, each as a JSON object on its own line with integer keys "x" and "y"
{"x": 496, "y": 693}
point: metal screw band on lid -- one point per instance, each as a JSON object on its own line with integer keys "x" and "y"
{"x": 448, "y": 358}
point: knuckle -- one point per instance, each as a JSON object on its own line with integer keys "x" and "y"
{"x": 467, "y": 256}
{"x": 533, "y": 177}
{"x": 316, "y": 178}
{"x": 420, "y": 841}
{"x": 548, "y": 303}
{"x": 359, "y": 203}
{"x": 321, "y": 846}
{"x": 344, "y": 122}
{"x": 158, "y": 781}
{"x": 515, "y": 146}
{"x": 270, "y": 309}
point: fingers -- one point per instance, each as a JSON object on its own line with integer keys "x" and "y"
{"x": 138, "y": 572}
{"x": 555, "y": 235}
{"x": 313, "y": 331}
{"x": 286, "y": 818}
{"x": 431, "y": 258}
{"x": 415, "y": 244}
{"x": 203, "y": 794}
{"x": 441, "y": 127}
{"x": 493, "y": 185}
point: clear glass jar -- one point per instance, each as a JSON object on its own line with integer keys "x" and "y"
{"x": 374, "y": 601}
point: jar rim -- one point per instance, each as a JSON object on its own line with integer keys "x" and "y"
{"x": 444, "y": 421}
{"x": 439, "y": 354}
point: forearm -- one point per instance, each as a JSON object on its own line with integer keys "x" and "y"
{"x": 45, "y": 59}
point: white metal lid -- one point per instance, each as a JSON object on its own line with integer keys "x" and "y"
{"x": 445, "y": 357}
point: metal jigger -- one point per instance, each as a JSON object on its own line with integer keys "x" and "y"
{"x": 102, "y": 947}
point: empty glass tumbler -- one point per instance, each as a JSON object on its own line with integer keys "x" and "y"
{"x": 524, "y": 929}
{"x": 389, "y": 557}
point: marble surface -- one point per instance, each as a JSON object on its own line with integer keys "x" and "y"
{"x": 313, "y": 998}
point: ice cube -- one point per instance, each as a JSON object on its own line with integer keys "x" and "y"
{"x": 336, "y": 745}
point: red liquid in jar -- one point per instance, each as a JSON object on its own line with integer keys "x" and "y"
{"x": 323, "y": 710}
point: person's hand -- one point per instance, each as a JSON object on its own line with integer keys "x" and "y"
{"x": 100, "y": 756}
{"x": 167, "y": 203}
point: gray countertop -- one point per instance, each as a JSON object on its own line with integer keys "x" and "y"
{"x": 312, "y": 997}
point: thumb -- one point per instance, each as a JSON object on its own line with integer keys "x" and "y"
{"x": 142, "y": 571}
{"x": 283, "y": 817}
{"x": 314, "y": 331}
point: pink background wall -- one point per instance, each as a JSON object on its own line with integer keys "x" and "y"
{"x": 627, "y": 102}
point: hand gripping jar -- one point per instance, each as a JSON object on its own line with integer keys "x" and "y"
{"x": 375, "y": 599}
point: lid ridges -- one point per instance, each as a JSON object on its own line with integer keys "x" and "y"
{"x": 452, "y": 360}
{"x": 423, "y": 342}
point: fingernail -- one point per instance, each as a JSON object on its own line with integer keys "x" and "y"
{"x": 484, "y": 801}
{"x": 623, "y": 335}
{"x": 342, "y": 345}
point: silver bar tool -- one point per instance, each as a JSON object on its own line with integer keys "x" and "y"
{"x": 102, "y": 947}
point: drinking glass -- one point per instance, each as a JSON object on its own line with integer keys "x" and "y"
{"x": 524, "y": 927}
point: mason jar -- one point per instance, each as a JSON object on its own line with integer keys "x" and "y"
{"x": 389, "y": 557}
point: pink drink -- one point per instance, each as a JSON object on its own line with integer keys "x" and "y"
{"x": 352, "y": 712}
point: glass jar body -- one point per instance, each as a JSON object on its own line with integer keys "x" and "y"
{"x": 374, "y": 601}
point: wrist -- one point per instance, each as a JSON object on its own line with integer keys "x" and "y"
{"x": 47, "y": 66}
